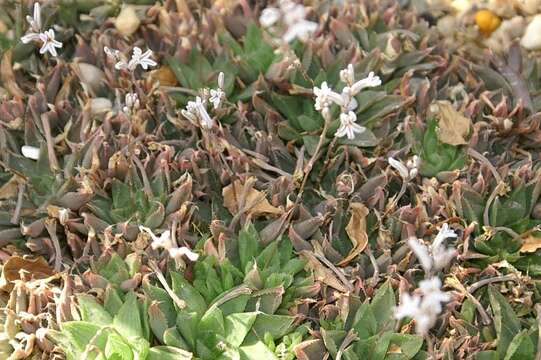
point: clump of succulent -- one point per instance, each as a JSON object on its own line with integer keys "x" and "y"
{"x": 240, "y": 179}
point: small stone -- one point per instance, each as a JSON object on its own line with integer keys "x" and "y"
{"x": 529, "y": 7}
{"x": 100, "y": 105}
{"x": 127, "y": 21}
{"x": 532, "y": 37}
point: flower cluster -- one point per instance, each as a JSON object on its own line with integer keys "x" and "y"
{"x": 325, "y": 97}
{"x": 137, "y": 58}
{"x": 293, "y": 17}
{"x": 435, "y": 256}
{"x": 165, "y": 242}
{"x": 196, "y": 111}
{"x": 425, "y": 307}
{"x": 47, "y": 37}
{"x": 131, "y": 103}
{"x": 408, "y": 171}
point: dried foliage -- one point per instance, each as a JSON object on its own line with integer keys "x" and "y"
{"x": 300, "y": 238}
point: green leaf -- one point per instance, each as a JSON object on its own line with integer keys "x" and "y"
{"x": 212, "y": 322}
{"x": 168, "y": 353}
{"x": 121, "y": 194}
{"x": 93, "y": 312}
{"x": 405, "y": 347}
{"x": 237, "y": 327}
{"x": 365, "y": 323}
{"x": 487, "y": 355}
{"x": 185, "y": 291}
{"x": 382, "y": 306}
{"x": 81, "y": 333}
{"x": 172, "y": 337}
{"x": 128, "y": 319}
{"x": 248, "y": 245}
{"x": 506, "y": 321}
{"x": 521, "y": 347}
{"x": 256, "y": 351}
{"x": 117, "y": 348}
{"x": 187, "y": 326}
{"x": 113, "y": 301}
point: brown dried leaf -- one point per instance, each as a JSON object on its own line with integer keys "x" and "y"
{"x": 321, "y": 272}
{"x": 531, "y": 244}
{"x": 164, "y": 75}
{"x": 10, "y": 188}
{"x": 8, "y": 77}
{"x": 453, "y": 126}
{"x": 255, "y": 202}
{"x": 356, "y": 230}
{"x": 38, "y": 269}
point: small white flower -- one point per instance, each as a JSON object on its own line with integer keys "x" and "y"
{"x": 49, "y": 43}
{"x": 221, "y": 80}
{"x": 35, "y": 25}
{"x": 140, "y": 58}
{"x": 435, "y": 256}
{"x": 348, "y": 127}
{"x": 216, "y": 96}
{"x": 35, "y": 21}
{"x": 164, "y": 241}
{"x": 177, "y": 253}
{"x": 347, "y": 75}
{"x": 269, "y": 16}
{"x": 112, "y": 53}
{"x": 401, "y": 168}
{"x": 424, "y": 310}
{"x": 370, "y": 81}
{"x": 30, "y": 152}
{"x": 301, "y": 30}
{"x": 421, "y": 252}
{"x": 198, "y": 109}
{"x": 132, "y": 103}
{"x": 409, "y": 306}
{"x": 325, "y": 96}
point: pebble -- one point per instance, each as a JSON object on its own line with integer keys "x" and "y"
{"x": 127, "y": 21}
{"x": 532, "y": 36}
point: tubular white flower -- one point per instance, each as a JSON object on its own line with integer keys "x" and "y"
{"x": 401, "y": 168}
{"x": 216, "y": 96}
{"x": 177, "y": 253}
{"x": 325, "y": 96}
{"x": 424, "y": 310}
{"x": 164, "y": 241}
{"x": 140, "y": 58}
{"x": 221, "y": 80}
{"x": 348, "y": 127}
{"x": 197, "y": 108}
{"x": 422, "y": 253}
{"x": 132, "y": 102}
{"x": 49, "y": 43}
{"x": 269, "y": 16}
{"x": 435, "y": 256}
{"x": 370, "y": 81}
{"x": 30, "y": 152}
{"x": 302, "y": 30}
{"x": 35, "y": 21}
{"x": 347, "y": 75}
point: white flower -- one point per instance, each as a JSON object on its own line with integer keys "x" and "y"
{"x": 347, "y": 75}
{"x": 424, "y": 310}
{"x": 301, "y": 29}
{"x": 35, "y": 25}
{"x": 140, "y": 58}
{"x": 325, "y": 96}
{"x": 409, "y": 306}
{"x": 436, "y": 256}
{"x": 132, "y": 102}
{"x": 164, "y": 241}
{"x": 49, "y": 43}
{"x": 30, "y": 152}
{"x": 269, "y": 16}
{"x": 370, "y": 81}
{"x": 35, "y": 21}
{"x": 177, "y": 253}
{"x": 348, "y": 126}
{"x": 408, "y": 171}
{"x": 197, "y": 109}
{"x": 216, "y": 96}
{"x": 221, "y": 80}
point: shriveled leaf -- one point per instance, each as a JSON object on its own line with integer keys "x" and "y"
{"x": 36, "y": 268}
{"x": 453, "y": 126}
{"x": 530, "y": 244}
{"x": 356, "y": 230}
{"x": 252, "y": 200}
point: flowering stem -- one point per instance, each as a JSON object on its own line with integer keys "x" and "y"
{"x": 477, "y": 285}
